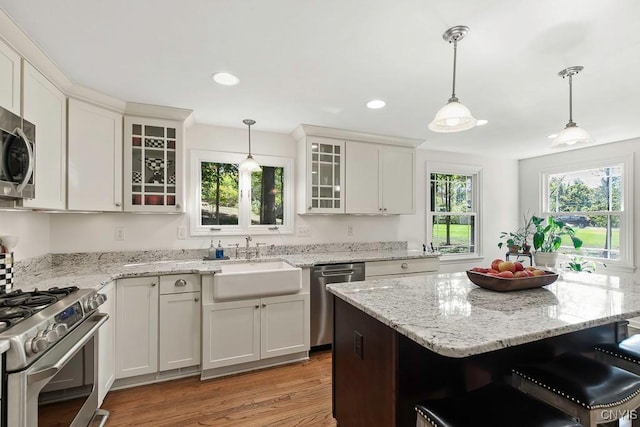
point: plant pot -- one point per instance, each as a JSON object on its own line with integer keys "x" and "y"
{"x": 513, "y": 249}
{"x": 526, "y": 248}
{"x": 546, "y": 259}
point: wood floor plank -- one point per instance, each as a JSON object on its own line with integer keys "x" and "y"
{"x": 286, "y": 396}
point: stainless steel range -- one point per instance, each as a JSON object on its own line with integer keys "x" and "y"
{"x": 51, "y": 367}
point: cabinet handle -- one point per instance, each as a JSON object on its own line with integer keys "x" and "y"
{"x": 384, "y": 209}
{"x": 257, "y": 306}
{"x": 264, "y": 305}
{"x": 178, "y": 206}
{"x": 404, "y": 265}
{"x": 380, "y": 209}
{"x": 196, "y": 299}
{"x": 309, "y": 208}
{"x": 153, "y": 284}
{"x": 181, "y": 282}
{"x": 118, "y": 204}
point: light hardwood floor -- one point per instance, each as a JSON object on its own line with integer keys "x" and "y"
{"x": 292, "y": 395}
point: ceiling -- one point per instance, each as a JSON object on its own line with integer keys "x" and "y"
{"x": 319, "y": 61}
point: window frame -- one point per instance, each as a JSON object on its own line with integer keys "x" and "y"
{"x": 626, "y": 232}
{"x": 456, "y": 169}
{"x": 244, "y": 226}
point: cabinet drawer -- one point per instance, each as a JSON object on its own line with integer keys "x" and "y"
{"x": 401, "y": 266}
{"x": 178, "y": 283}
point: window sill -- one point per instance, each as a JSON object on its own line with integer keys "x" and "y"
{"x": 208, "y": 232}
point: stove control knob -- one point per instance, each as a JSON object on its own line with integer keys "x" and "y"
{"x": 92, "y": 304}
{"x": 49, "y": 335}
{"x": 60, "y": 328}
{"x": 101, "y": 298}
{"x": 35, "y": 345}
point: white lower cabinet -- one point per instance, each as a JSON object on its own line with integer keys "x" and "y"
{"x": 158, "y": 324}
{"x": 107, "y": 343}
{"x": 250, "y": 330}
{"x": 401, "y": 268}
{"x": 136, "y": 326}
{"x": 179, "y": 330}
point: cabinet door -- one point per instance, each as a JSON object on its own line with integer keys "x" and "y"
{"x": 107, "y": 343}
{"x": 362, "y": 178}
{"x": 95, "y": 158}
{"x": 179, "y": 330}
{"x": 136, "y": 326}
{"x": 9, "y": 79}
{"x": 325, "y": 175}
{"x": 153, "y": 165}
{"x": 285, "y": 325}
{"x": 231, "y": 333}
{"x": 46, "y": 107}
{"x": 398, "y": 180}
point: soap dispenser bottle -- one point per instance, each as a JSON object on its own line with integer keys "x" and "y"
{"x": 219, "y": 251}
{"x": 212, "y": 251}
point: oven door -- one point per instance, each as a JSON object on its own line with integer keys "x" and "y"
{"x": 44, "y": 395}
{"x": 17, "y": 162}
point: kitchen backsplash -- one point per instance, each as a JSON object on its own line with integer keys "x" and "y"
{"x": 32, "y": 265}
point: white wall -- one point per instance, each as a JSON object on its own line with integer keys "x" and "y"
{"x": 530, "y": 171}
{"x": 32, "y": 230}
{"x": 83, "y": 232}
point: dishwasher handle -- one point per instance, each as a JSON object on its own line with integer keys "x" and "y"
{"x": 334, "y": 273}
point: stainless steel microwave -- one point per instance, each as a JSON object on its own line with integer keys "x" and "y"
{"x": 17, "y": 157}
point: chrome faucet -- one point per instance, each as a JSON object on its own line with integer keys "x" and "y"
{"x": 248, "y": 249}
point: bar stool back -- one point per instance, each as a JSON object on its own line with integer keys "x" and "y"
{"x": 587, "y": 389}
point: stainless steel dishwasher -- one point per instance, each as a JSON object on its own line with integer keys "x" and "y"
{"x": 322, "y": 301}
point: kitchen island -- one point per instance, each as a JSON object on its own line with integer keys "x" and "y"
{"x": 398, "y": 341}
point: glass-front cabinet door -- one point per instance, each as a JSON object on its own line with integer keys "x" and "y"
{"x": 325, "y": 180}
{"x": 153, "y": 165}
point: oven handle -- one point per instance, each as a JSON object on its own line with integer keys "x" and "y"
{"x": 27, "y": 175}
{"x": 50, "y": 371}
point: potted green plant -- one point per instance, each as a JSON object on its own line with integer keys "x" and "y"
{"x": 512, "y": 239}
{"x": 519, "y": 239}
{"x": 548, "y": 238}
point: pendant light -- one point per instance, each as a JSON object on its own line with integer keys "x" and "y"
{"x": 571, "y": 134}
{"x": 453, "y": 117}
{"x": 249, "y": 164}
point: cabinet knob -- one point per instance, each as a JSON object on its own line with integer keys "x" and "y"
{"x": 118, "y": 204}
{"x": 309, "y": 208}
{"x": 196, "y": 299}
{"x": 264, "y": 305}
{"x": 404, "y": 265}
{"x": 180, "y": 282}
{"x": 153, "y": 284}
{"x": 257, "y": 306}
{"x": 178, "y": 206}
{"x": 384, "y": 209}
{"x": 380, "y": 209}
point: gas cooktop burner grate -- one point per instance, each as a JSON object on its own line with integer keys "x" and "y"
{"x": 18, "y": 305}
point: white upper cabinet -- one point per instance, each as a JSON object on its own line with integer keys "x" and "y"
{"x": 46, "y": 107}
{"x": 95, "y": 158}
{"x": 322, "y": 166}
{"x": 9, "y": 79}
{"x": 379, "y": 179}
{"x": 153, "y": 165}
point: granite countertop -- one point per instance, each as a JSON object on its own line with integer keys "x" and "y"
{"x": 92, "y": 273}
{"x": 448, "y": 314}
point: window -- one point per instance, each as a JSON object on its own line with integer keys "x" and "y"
{"x": 452, "y": 217}
{"x": 230, "y": 201}
{"x": 593, "y": 201}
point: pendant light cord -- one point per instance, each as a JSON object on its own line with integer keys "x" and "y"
{"x": 570, "y": 98}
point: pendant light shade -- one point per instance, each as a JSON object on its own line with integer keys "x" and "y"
{"x": 571, "y": 134}
{"x": 453, "y": 117}
{"x": 249, "y": 164}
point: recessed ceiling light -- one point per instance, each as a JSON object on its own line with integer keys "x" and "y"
{"x": 481, "y": 122}
{"x": 225, "y": 79}
{"x": 375, "y": 104}
{"x": 553, "y": 135}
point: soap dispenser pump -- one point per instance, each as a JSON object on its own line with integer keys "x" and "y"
{"x": 219, "y": 251}
{"x": 212, "y": 251}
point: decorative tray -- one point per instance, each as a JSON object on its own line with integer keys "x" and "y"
{"x": 500, "y": 284}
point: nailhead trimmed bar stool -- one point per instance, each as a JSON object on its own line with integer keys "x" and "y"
{"x": 625, "y": 354}
{"x": 589, "y": 390}
{"x": 492, "y": 405}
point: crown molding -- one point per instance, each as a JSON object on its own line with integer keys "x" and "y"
{"x": 312, "y": 130}
{"x": 159, "y": 112}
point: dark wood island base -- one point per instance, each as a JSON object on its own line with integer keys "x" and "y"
{"x": 379, "y": 374}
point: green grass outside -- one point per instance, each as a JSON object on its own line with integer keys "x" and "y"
{"x": 592, "y": 237}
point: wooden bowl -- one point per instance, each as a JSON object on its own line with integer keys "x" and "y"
{"x": 501, "y": 284}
